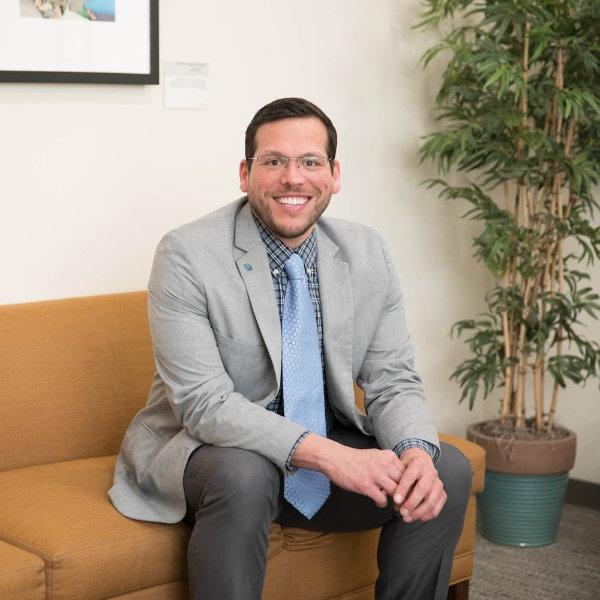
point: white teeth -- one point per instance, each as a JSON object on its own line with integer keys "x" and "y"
{"x": 293, "y": 200}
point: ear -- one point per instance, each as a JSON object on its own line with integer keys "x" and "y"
{"x": 244, "y": 174}
{"x": 337, "y": 184}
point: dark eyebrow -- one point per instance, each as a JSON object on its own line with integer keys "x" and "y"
{"x": 277, "y": 153}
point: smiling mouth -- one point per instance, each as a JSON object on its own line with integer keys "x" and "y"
{"x": 292, "y": 200}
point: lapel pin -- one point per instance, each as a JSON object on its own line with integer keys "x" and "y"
{"x": 248, "y": 267}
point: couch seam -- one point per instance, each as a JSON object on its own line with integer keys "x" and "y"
{"x": 18, "y": 570}
{"x": 103, "y": 544}
{"x": 49, "y": 560}
{"x": 146, "y": 588}
{"x": 285, "y": 576}
{"x": 52, "y": 557}
{"x": 25, "y": 547}
{"x": 49, "y": 571}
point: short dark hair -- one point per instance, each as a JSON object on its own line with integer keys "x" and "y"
{"x": 288, "y": 108}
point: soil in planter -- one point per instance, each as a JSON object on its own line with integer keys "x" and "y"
{"x": 507, "y": 431}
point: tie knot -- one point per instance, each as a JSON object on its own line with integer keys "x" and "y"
{"x": 294, "y": 267}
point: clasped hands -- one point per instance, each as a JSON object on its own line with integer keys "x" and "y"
{"x": 411, "y": 480}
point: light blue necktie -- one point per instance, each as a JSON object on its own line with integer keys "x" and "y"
{"x": 303, "y": 397}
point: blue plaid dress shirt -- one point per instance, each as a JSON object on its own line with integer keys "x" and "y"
{"x": 278, "y": 253}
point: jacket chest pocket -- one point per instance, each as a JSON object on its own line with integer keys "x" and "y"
{"x": 249, "y": 367}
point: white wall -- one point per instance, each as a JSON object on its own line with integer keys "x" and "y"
{"x": 93, "y": 175}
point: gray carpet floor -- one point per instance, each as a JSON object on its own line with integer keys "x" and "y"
{"x": 568, "y": 569}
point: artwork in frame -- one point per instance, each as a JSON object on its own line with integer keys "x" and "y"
{"x": 79, "y": 41}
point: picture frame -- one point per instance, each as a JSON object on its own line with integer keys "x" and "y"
{"x": 73, "y": 46}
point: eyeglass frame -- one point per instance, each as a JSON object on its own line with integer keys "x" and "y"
{"x": 288, "y": 158}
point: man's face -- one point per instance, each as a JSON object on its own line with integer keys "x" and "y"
{"x": 289, "y": 201}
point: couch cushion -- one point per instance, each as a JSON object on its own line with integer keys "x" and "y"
{"x": 320, "y": 566}
{"x": 62, "y": 513}
{"x": 72, "y": 373}
{"x": 21, "y": 574}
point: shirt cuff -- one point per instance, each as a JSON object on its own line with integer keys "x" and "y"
{"x": 432, "y": 450}
{"x": 289, "y": 469}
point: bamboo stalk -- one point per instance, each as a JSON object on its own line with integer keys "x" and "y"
{"x": 538, "y": 391}
{"x": 525, "y": 65}
{"x": 535, "y": 209}
{"x": 561, "y": 289}
{"x": 571, "y": 129}
{"x": 508, "y": 371}
{"x": 570, "y": 136}
{"x": 572, "y": 201}
{"x": 548, "y": 119}
{"x": 530, "y": 207}
{"x": 559, "y": 262}
{"x": 508, "y": 382}
{"x": 525, "y": 205}
{"x": 506, "y": 191}
{"x": 522, "y": 207}
{"x": 519, "y": 409}
{"x": 540, "y": 398}
{"x": 519, "y": 413}
{"x": 560, "y": 86}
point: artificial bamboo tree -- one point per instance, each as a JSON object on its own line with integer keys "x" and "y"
{"x": 519, "y": 109}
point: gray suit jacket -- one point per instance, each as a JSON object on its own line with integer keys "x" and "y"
{"x": 217, "y": 346}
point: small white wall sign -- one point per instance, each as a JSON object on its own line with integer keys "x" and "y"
{"x": 186, "y": 84}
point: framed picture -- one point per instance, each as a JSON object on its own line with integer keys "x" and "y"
{"x": 79, "y": 41}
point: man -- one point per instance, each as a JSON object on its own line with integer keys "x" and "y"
{"x": 263, "y": 315}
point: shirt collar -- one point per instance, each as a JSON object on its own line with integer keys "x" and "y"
{"x": 279, "y": 253}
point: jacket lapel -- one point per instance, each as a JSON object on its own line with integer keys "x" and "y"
{"x": 338, "y": 320}
{"x": 253, "y": 265}
{"x": 336, "y": 301}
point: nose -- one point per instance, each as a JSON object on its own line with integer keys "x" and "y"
{"x": 292, "y": 175}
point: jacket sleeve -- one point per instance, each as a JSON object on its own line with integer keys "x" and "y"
{"x": 199, "y": 390}
{"x": 394, "y": 396}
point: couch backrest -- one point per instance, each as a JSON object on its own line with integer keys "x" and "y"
{"x": 72, "y": 375}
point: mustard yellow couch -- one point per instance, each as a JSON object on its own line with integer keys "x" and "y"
{"x": 72, "y": 374}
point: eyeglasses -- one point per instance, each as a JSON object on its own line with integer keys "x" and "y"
{"x": 308, "y": 164}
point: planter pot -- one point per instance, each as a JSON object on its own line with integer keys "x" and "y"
{"x": 525, "y": 486}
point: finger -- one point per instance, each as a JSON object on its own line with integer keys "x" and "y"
{"x": 388, "y": 486}
{"x": 421, "y": 489}
{"x": 435, "y": 511}
{"x": 396, "y": 473}
{"x": 407, "y": 480}
{"x": 378, "y": 497}
{"x": 429, "y": 503}
{"x": 392, "y": 466}
{"x": 420, "y": 492}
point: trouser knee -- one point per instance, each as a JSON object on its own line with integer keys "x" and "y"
{"x": 231, "y": 480}
{"x": 456, "y": 473}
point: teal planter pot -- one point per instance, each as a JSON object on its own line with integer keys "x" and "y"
{"x": 525, "y": 486}
{"x": 522, "y": 510}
